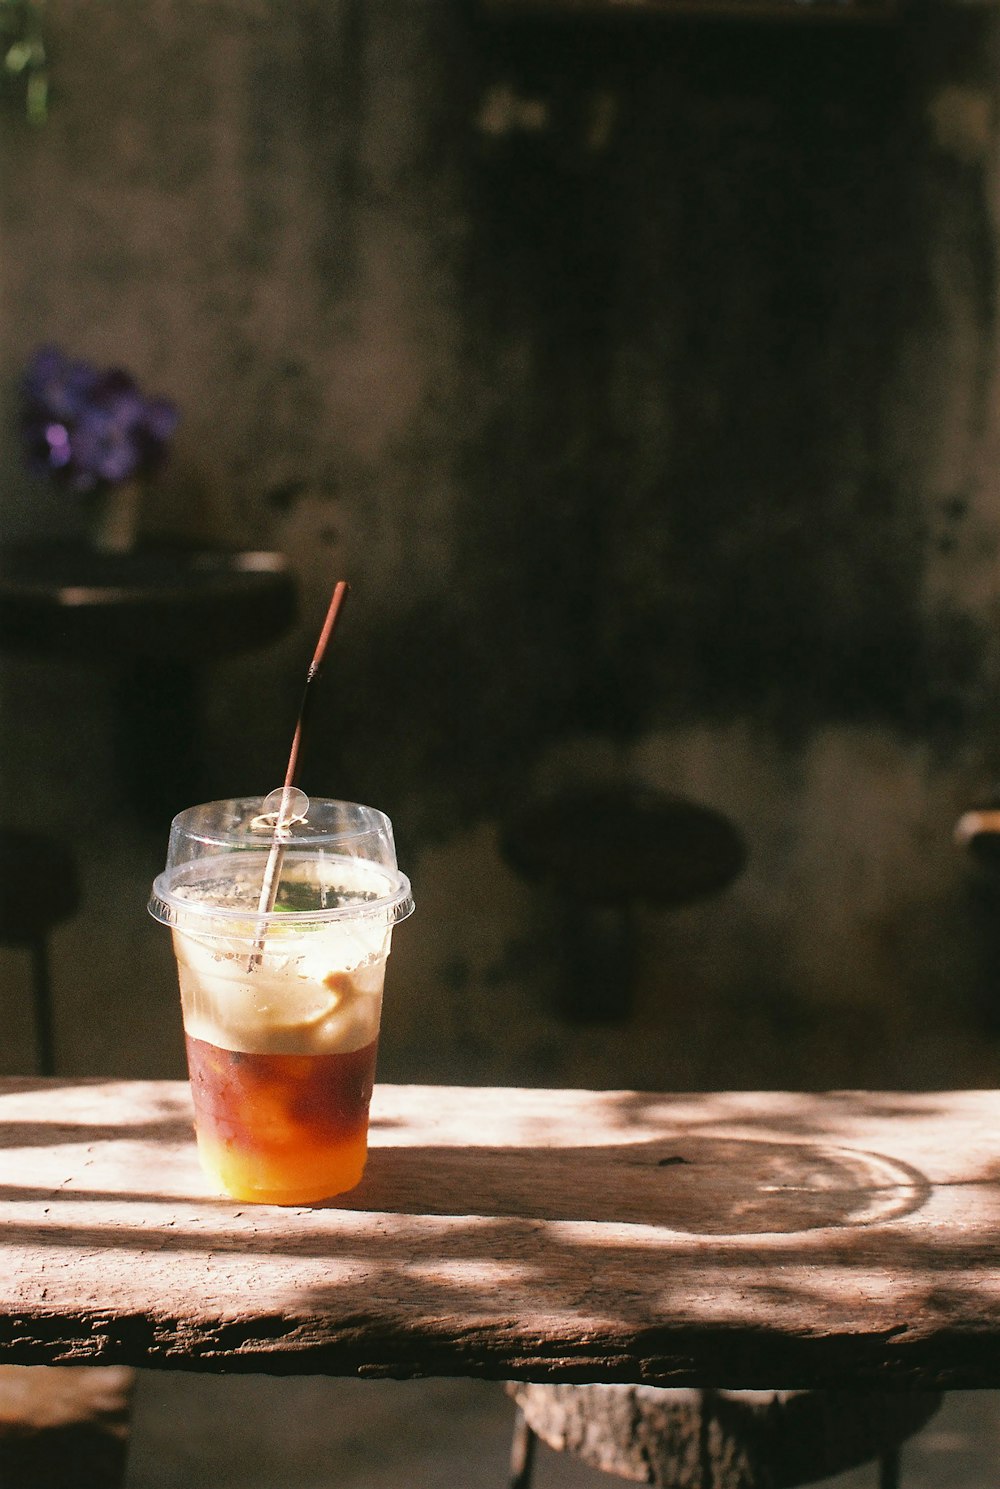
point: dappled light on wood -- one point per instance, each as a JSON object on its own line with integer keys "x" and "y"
{"x": 736, "y": 1239}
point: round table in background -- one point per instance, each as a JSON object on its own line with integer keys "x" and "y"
{"x": 158, "y": 616}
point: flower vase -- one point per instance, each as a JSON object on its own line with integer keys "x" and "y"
{"x": 115, "y": 518}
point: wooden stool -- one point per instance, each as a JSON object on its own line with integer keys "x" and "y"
{"x": 717, "y": 1439}
{"x": 601, "y": 852}
{"x": 38, "y": 889}
{"x": 64, "y": 1427}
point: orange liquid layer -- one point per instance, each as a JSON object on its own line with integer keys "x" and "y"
{"x": 281, "y": 1129}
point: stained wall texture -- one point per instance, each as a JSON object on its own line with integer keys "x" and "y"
{"x": 641, "y": 377}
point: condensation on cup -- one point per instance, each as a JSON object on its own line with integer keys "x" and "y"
{"x": 281, "y": 1009}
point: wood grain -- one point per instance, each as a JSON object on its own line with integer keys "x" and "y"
{"x": 742, "y": 1240}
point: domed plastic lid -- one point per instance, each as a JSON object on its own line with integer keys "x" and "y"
{"x": 338, "y": 863}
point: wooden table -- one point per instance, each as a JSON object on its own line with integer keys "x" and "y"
{"x": 157, "y": 601}
{"x": 732, "y": 1240}
{"x": 159, "y": 616}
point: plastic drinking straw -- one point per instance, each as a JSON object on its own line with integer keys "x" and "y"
{"x": 275, "y": 857}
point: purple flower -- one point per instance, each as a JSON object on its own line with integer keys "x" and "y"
{"x": 104, "y": 450}
{"x": 90, "y": 429}
{"x": 57, "y": 385}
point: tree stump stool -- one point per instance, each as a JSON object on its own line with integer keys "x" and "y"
{"x": 717, "y": 1439}
{"x": 64, "y": 1427}
{"x": 600, "y": 852}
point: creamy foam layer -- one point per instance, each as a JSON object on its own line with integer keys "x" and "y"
{"x": 314, "y": 997}
{"x": 313, "y": 985}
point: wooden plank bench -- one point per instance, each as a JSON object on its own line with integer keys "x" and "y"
{"x": 740, "y": 1240}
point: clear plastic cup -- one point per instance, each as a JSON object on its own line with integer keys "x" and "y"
{"x": 281, "y": 1010}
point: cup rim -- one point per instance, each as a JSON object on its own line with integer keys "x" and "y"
{"x": 183, "y": 914}
{"x": 180, "y": 912}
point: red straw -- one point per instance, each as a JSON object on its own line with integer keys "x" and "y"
{"x": 272, "y": 870}
{"x": 339, "y": 595}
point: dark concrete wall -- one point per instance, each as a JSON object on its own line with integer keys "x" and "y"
{"x": 641, "y": 377}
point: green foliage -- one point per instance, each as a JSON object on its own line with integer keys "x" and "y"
{"x": 24, "y": 59}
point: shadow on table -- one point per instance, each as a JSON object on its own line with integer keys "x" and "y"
{"x": 700, "y": 1184}
{"x": 696, "y": 1184}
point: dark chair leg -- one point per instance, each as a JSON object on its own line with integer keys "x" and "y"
{"x": 522, "y": 1453}
{"x": 888, "y": 1469}
{"x": 44, "y": 1041}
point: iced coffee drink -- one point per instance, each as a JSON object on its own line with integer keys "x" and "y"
{"x": 282, "y": 1010}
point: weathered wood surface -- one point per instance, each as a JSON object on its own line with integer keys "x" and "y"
{"x": 731, "y": 1240}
